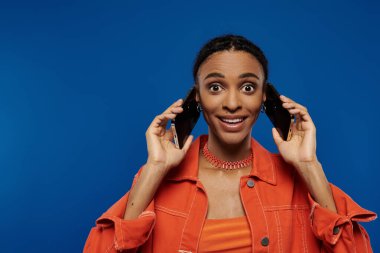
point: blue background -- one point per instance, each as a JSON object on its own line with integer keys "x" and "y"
{"x": 80, "y": 81}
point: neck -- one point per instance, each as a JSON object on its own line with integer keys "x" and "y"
{"x": 228, "y": 151}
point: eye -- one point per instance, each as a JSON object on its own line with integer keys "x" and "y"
{"x": 215, "y": 87}
{"x": 249, "y": 87}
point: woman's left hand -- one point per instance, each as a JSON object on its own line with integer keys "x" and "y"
{"x": 301, "y": 148}
{"x": 300, "y": 151}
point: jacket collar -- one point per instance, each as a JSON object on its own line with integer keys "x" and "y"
{"x": 263, "y": 164}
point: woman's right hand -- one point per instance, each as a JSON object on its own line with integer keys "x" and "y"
{"x": 162, "y": 153}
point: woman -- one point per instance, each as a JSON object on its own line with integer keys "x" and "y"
{"x": 225, "y": 192}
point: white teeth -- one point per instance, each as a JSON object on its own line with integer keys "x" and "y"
{"x": 232, "y": 121}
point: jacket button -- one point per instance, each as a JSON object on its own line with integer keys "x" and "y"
{"x": 336, "y": 230}
{"x": 250, "y": 183}
{"x": 265, "y": 241}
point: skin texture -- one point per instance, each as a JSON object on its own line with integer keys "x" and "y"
{"x": 223, "y": 92}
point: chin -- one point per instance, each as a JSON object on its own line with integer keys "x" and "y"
{"x": 233, "y": 138}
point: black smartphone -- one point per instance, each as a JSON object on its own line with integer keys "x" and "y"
{"x": 278, "y": 115}
{"x": 185, "y": 121}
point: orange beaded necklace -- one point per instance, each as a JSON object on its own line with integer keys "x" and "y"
{"x": 227, "y": 165}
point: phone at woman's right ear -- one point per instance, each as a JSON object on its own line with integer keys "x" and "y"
{"x": 277, "y": 114}
{"x": 185, "y": 121}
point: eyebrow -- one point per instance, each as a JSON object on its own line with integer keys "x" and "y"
{"x": 244, "y": 75}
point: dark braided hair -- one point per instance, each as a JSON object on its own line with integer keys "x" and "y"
{"x": 229, "y": 42}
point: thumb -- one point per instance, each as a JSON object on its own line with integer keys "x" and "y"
{"x": 187, "y": 144}
{"x": 276, "y": 136}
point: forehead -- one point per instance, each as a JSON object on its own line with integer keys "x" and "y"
{"x": 231, "y": 63}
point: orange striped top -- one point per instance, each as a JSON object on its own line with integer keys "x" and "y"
{"x": 226, "y": 235}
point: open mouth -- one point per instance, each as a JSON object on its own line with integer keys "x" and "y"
{"x": 233, "y": 120}
{"x": 235, "y": 124}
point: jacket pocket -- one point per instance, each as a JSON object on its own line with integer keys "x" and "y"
{"x": 289, "y": 229}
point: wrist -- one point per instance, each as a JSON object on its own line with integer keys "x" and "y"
{"x": 317, "y": 184}
{"x": 158, "y": 169}
{"x": 310, "y": 171}
{"x": 307, "y": 165}
{"x": 155, "y": 163}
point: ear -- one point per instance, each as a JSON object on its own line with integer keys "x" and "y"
{"x": 264, "y": 92}
{"x": 196, "y": 92}
{"x": 264, "y": 97}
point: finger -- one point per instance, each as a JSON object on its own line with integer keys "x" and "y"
{"x": 285, "y": 98}
{"x": 188, "y": 142}
{"x": 295, "y": 108}
{"x": 289, "y": 105}
{"x": 298, "y": 122}
{"x": 176, "y": 104}
{"x": 161, "y": 120}
{"x": 305, "y": 116}
{"x": 169, "y": 113}
{"x": 276, "y": 136}
{"x": 294, "y": 111}
{"x": 176, "y": 110}
{"x": 169, "y": 135}
{"x": 302, "y": 115}
{"x": 302, "y": 122}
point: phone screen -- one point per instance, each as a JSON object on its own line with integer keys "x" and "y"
{"x": 184, "y": 122}
{"x": 278, "y": 115}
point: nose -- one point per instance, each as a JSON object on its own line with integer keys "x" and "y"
{"x": 232, "y": 102}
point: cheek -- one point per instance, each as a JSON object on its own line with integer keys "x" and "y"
{"x": 253, "y": 105}
{"x": 209, "y": 108}
{"x": 207, "y": 111}
{"x": 210, "y": 104}
{"x": 254, "y": 108}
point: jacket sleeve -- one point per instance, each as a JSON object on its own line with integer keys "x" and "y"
{"x": 341, "y": 232}
{"x": 114, "y": 234}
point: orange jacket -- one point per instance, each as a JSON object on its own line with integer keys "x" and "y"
{"x": 281, "y": 214}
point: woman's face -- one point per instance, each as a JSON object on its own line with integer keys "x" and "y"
{"x": 231, "y": 94}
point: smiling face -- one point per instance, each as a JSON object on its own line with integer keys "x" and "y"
{"x": 230, "y": 90}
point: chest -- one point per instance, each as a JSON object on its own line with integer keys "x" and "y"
{"x": 220, "y": 183}
{"x": 222, "y": 188}
{"x": 275, "y": 213}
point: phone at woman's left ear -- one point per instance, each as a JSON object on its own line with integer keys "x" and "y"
{"x": 277, "y": 114}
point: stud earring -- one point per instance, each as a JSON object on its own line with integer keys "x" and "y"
{"x": 262, "y": 110}
{"x": 199, "y": 107}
